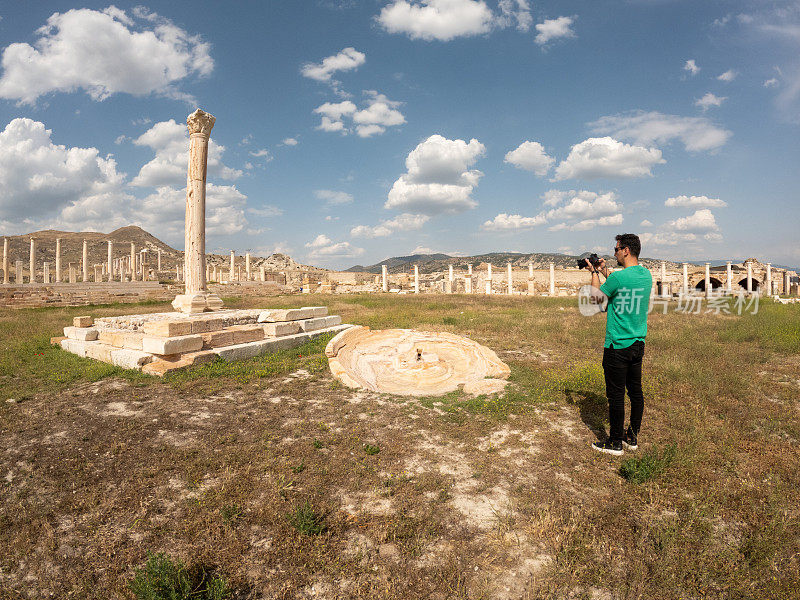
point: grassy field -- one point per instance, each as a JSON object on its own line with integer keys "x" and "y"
{"x": 268, "y": 479}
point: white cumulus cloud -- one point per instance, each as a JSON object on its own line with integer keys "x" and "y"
{"x": 702, "y": 221}
{"x": 346, "y": 60}
{"x": 506, "y": 222}
{"x": 709, "y": 100}
{"x": 728, "y": 76}
{"x": 103, "y": 53}
{"x": 441, "y": 20}
{"x": 333, "y": 197}
{"x": 41, "y": 179}
{"x": 530, "y": 156}
{"x": 691, "y": 66}
{"x": 322, "y": 247}
{"x": 606, "y": 157}
{"x": 582, "y": 210}
{"x": 170, "y": 142}
{"x": 645, "y": 128}
{"x": 514, "y": 12}
{"x": 552, "y": 29}
{"x": 438, "y": 178}
{"x": 404, "y": 222}
{"x": 694, "y": 202}
{"x": 373, "y": 118}
{"x": 289, "y": 142}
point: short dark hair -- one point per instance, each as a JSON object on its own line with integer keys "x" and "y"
{"x": 631, "y": 242}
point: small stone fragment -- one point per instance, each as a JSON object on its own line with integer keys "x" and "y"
{"x": 85, "y": 321}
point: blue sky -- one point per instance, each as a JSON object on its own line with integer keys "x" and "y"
{"x": 348, "y": 132}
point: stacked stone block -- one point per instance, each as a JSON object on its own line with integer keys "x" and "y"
{"x": 162, "y": 342}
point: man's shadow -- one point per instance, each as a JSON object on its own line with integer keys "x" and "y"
{"x": 594, "y": 410}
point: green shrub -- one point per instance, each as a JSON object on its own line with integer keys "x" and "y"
{"x": 306, "y": 520}
{"x": 163, "y": 578}
{"x": 371, "y": 450}
{"x": 651, "y": 464}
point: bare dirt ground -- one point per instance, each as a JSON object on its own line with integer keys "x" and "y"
{"x": 489, "y": 498}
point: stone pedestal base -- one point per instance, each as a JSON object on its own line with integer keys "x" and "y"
{"x": 197, "y": 303}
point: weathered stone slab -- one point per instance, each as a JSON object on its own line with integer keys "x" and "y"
{"x": 99, "y": 351}
{"x": 243, "y": 351}
{"x": 75, "y": 346}
{"x": 282, "y": 328}
{"x": 286, "y": 314}
{"x": 206, "y": 325}
{"x": 317, "y": 311}
{"x": 168, "y": 328}
{"x": 84, "y": 334}
{"x": 85, "y": 321}
{"x": 246, "y": 333}
{"x": 130, "y": 359}
{"x": 172, "y": 345}
{"x": 132, "y": 340}
{"x": 215, "y": 339}
{"x": 320, "y": 323}
{"x": 161, "y": 366}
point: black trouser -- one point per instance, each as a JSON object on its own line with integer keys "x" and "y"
{"x": 623, "y": 369}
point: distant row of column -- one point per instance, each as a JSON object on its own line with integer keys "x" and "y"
{"x": 665, "y": 288}
{"x": 133, "y": 267}
{"x": 449, "y": 286}
{"x": 234, "y": 271}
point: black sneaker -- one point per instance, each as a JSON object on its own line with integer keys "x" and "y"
{"x": 608, "y": 447}
{"x": 629, "y": 440}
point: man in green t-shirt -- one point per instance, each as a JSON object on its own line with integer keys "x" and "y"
{"x": 628, "y": 293}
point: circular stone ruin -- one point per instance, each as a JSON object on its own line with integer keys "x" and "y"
{"x": 414, "y": 363}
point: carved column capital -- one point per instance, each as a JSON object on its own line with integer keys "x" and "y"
{"x": 200, "y": 122}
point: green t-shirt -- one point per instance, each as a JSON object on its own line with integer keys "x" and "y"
{"x": 628, "y": 294}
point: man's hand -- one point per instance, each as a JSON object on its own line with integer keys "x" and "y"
{"x": 587, "y": 265}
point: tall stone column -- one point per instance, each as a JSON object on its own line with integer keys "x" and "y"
{"x": 85, "y": 261}
{"x": 685, "y": 279}
{"x": 32, "y": 262}
{"x": 510, "y": 280}
{"x": 247, "y": 266}
{"x": 468, "y": 280}
{"x": 132, "y": 262}
{"x": 769, "y": 279}
{"x": 196, "y": 297}
{"x": 552, "y": 279}
{"x": 488, "y": 278}
{"x": 786, "y": 281}
{"x": 749, "y": 277}
{"x": 531, "y": 287}
{"x": 729, "y": 274}
{"x": 58, "y": 260}
{"x": 663, "y": 278}
{"x": 384, "y": 279}
{"x": 416, "y": 279}
{"x": 233, "y": 267}
{"x": 5, "y": 261}
{"x": 262, "y": 272}
{"x": 110, "y": 258}
{"x": 450, "y": 279}
{"x": 708, "y": 280}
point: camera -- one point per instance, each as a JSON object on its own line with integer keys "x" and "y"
{"x": 592, "y": 258}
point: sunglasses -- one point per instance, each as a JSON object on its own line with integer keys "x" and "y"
{"x": 618, "y": 249}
